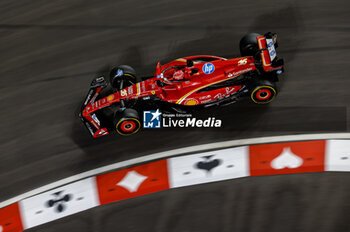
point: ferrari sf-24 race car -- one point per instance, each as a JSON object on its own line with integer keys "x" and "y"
{"x": 183, "y": 85}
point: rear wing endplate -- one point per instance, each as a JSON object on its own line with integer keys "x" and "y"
{"x": 267, "y": 45}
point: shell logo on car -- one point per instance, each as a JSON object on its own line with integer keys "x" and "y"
{"x": 191, "y": 102}
{"x": 110, "y": 97}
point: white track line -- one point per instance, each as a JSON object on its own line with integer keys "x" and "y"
{"x": 175, "y": 152}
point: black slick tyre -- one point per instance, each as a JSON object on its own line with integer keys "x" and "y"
{"x": 264, "y": 93}
{"x": 127, "y": 122}
{"x": 125, "y": 74}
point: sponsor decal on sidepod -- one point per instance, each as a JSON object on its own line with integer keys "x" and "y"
{"x": 239, "y": 72}
{"x": 208, "y": 68}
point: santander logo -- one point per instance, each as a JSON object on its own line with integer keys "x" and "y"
{"x": 239, "y": 72}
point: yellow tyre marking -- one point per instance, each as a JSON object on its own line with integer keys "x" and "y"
{"x": 126, "y": 74}
{"x": 116, "y": 127}
{"x": 264, "y": 86}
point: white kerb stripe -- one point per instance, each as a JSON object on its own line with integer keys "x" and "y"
{"x": 175, "y": 152}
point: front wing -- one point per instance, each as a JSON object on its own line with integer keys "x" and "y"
{"x": 91, "y": 122}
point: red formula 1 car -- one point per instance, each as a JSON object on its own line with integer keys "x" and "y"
{"x": 184, "y": 84}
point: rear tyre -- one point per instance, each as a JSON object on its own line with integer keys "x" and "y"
{"x": 264, "y": 93}
{"x": 249, "y": 44}
{"x": 127, "y": 122}
{"x": 125, "y": 74}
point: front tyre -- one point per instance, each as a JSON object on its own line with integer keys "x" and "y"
{"x": 123, "y": 76}
{"x": 264, "y": 94}
{"x": 127, "y": 122}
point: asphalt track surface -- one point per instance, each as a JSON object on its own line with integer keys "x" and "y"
{"x": 51, "y": 50}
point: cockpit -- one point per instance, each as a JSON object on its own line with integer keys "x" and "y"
{"x": 183, "y": 69}
{"x": 179, "y": 73}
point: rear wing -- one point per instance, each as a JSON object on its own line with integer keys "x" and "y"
{"x": 267, "y": 45}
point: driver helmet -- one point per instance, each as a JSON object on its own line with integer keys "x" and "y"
{"x": 179, "y": 75}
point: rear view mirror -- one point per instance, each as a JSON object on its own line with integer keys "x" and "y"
{"x": 189, "y": 63}
{"x": 194, "y": 71}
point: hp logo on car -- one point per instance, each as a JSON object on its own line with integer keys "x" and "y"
{"x": 208, "y": 68}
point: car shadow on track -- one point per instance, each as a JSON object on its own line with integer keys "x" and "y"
{"x": 288, "y": 24}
